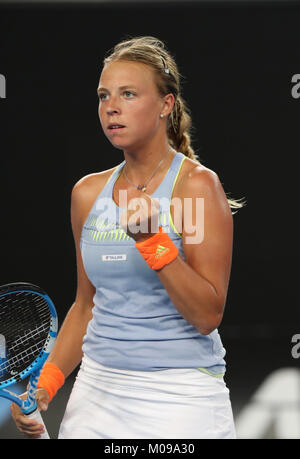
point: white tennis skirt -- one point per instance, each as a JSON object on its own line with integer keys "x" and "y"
{"x": 124, "y": 404}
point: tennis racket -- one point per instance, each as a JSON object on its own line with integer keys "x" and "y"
{"x": 28, "y": 328}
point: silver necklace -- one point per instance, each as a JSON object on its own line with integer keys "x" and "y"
{"x": 144, "y": 187}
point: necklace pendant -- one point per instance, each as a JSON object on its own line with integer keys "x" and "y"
{"x": 142, "y": 188}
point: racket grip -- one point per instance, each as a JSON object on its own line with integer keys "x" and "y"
{"x": 38, "y": 417}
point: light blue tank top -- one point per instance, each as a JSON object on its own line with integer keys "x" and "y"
{"x": 135, "y": 325}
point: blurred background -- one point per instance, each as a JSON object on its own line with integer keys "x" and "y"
{"x": 240, "y": 62}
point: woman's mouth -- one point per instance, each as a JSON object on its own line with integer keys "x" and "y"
{"x": 115, "y": 127}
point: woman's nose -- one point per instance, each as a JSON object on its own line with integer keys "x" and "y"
{"x": 112, "y": 111}
{"x": 112, "y": 106}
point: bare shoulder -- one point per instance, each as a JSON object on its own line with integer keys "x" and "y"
{"x": 196, "y": 176}
{"x": 85, "y": 192}
{"x": 92, "y": 182}
{"x": 197, "y": 180}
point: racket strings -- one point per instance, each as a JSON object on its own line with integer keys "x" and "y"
{"x": 31, "y": 350}
{"x": 25, "y": 322}
{"x": 29, "y": 335}
{"x": 23, "y": 358}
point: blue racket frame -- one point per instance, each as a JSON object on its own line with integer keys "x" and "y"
{"x": 34, "y": 369}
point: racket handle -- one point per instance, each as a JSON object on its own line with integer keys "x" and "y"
{"x": 37, "y": 415}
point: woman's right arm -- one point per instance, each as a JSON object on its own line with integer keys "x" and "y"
{"x": 67, "y": 351}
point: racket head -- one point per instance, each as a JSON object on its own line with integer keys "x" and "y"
{"x": 28, "y": 329}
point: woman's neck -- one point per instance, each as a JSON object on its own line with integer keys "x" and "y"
{"x": 141, "y": 164}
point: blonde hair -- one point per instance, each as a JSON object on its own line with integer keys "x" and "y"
{"x": 152, "y": 52}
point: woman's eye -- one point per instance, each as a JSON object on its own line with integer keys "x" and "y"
{"x": 128, "y": 94}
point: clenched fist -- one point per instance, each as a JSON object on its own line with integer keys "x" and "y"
{"x": 141, "y": 218}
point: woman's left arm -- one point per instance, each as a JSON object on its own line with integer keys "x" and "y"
{"x": 198, "y": 285}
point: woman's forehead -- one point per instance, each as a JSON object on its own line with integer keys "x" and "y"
{"x": 127, "y": 73}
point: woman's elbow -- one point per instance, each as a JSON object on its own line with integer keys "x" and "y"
{"x": 212, "y": 323}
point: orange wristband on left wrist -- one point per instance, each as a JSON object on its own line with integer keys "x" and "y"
{"x": 158, "y": 251}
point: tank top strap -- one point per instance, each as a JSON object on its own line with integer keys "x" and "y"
{"x": 108, "y": 187}
{"x": 165, "y": 189}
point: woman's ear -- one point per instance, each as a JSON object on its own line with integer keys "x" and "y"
{"x": 168, "y": 104}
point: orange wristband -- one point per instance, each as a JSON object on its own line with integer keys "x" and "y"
{"x": 158, "y": 250}
{"x": 51, "y": 379}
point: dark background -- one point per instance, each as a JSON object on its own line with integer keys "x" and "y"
{"x": 238, "y": 59}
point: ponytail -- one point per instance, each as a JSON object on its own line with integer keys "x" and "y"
{"x": 179, "y": 127}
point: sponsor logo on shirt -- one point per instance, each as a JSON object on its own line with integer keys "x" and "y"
{"x": 120, "y": 257}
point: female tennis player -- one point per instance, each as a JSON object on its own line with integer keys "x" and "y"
{"x": 153, "y": 240}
